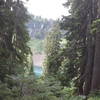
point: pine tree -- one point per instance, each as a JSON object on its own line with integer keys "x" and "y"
{"x": 13, "y": 38}
{"x": 52, "y": 61}
{"x": 78, "y": 24}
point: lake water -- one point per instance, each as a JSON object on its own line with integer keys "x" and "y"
{"x": 38, "y": 60}
{"x": 38, "y": 71}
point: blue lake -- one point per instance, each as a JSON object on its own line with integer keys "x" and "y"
{"x": 38, "y": 71}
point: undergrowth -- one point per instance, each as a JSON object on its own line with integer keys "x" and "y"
{"x": 42, "y": 89}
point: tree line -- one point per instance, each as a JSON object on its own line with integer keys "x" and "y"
{"x": 72, "y": 61}
{"x": 14, "y": 36}
{"x": 77, "y": 61}
{"x": 39, "y": 27}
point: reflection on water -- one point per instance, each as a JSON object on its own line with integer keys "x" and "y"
{"x": 38, "y": 71}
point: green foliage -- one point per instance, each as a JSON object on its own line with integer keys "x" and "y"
{"x": 94, "y": 98}
{"x": 14, "y": 50}
{"x": 95, "y": 27}
{"x": 36, "y": 45}
{"x": 75, "y": 52}
{"x": 64, "y": 73}
{"x": 7, "y": 93}
{"x": 29, "y": 70}
{"x": 39, "y": 27}
{"x": 49, "y": 88}
{"x": 52, "y": 61}
{"x": 66, "y": 53}
{"x": 30, "y": 89}
{"x": 45, "y": 88}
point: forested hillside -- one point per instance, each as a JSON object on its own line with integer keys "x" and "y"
{"x": 38, "y": 30}
{"x": 71, "y": 69}
{"x": 39, "y": 27}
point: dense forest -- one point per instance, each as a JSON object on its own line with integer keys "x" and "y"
{"x": 38, "y": 28}
{"x": 72, "y": 45}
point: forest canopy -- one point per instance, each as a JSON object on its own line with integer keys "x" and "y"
{"x": 71, "y": 45}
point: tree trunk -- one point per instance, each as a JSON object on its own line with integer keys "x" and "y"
{"x": 96, "y": 70}
{"x": 90, "y": 50}
{"x": 83, "y": 61}
{"x": 89, "y": 68}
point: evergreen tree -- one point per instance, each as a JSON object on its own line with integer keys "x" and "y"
{"x": 52, "y": 61}
{"x": 13, "y": 38}
{"x": 78, "y": 24}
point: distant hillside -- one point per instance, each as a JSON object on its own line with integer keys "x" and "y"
{"x": 39, "y": 27}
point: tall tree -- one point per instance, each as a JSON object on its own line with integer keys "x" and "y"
{"x": 96, "y": 70}
{"x": 78, "y": 25}
{"x": 52, "y": 61}
{"x": 13, "y": 38}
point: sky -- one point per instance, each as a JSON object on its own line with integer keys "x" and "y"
{"x": 50, "y": 9}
